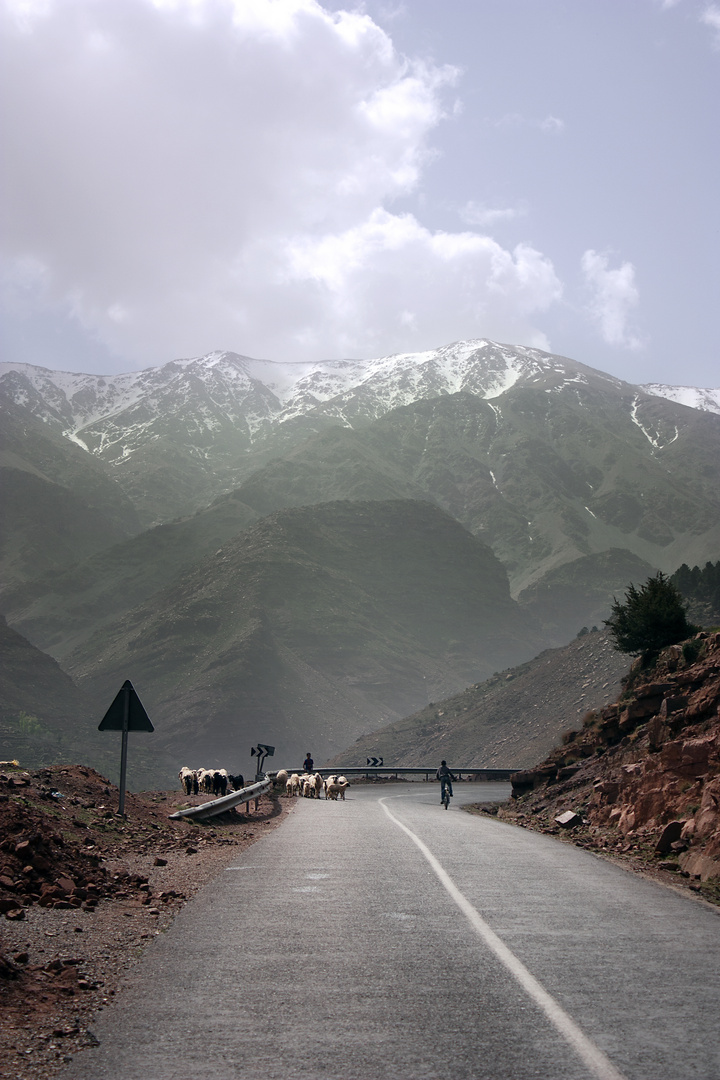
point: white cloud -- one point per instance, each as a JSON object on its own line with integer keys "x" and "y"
{"x": 479, "y": 214}
{"x": 711, "y": 17}
{"x": 183, "y": 175}
{"x": 552, "y": 123}
{"x": 389, "y": 283}
{"x": 614, "y": 294}
{"x": 517, "y": 120}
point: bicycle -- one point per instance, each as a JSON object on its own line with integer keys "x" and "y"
{"x": 446, "y": 796}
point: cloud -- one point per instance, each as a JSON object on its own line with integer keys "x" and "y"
{"x": 552, "y": 123}
{"x": 474, "y": 213}
{"x": 183, "y": 175}
{"x": 711, "y": 17}
{"x": 516, "y": 120}
{"x": 389, "y": 283}
{"x": 614, "y": 294}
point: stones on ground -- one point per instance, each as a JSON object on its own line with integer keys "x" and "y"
{"x": 568, "y": 820}
{"x": 670, "y": 834}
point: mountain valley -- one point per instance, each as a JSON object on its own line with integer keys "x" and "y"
{"x": 318, "y": 549}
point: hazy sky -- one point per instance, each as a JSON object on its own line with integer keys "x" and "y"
{"x": 291, "y": 179}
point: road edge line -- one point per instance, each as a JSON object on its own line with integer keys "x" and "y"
{"x": 584, "y": 1047}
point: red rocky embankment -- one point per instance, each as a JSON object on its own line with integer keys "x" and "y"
{"x": 642, "y": 777}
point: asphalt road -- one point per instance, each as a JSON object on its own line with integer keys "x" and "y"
{"x": 385, "y": 937}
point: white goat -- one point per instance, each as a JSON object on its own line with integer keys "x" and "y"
{"x": 293, "y": 785}
{"x": 186, "y": 779}
{"x": 336, "y": 789}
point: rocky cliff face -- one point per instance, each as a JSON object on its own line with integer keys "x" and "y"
{"x": 643, "y": 775}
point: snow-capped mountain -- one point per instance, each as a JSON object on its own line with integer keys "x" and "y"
{"x": 693, "y": 396}
{"x": 223, "y": 387}
{"x": 178, "y": 435}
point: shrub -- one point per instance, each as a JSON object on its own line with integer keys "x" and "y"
{"x": 691, "y": 650}
{"x": 650, "y": 618}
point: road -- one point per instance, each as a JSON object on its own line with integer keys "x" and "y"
{"x": 385, "y": 937}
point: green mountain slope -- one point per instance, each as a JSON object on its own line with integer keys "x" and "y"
{"x": 59, "y": 610}
{"x": 579, "y": 593}
{"x": 59, "y": 504}
{"x": 42, "y": 712}
{"x": 314, "y": 625}
{"x": 545, "y": 476}
{"x": 508, "y": 721}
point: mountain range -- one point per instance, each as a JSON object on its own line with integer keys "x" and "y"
{"x": 549, "y": 459}
{"x": 126, "y": 496}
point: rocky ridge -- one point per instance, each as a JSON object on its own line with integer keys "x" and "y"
{"x": 642, "y": 776}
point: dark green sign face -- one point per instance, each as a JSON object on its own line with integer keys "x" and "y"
{"x": 126, "y": 703}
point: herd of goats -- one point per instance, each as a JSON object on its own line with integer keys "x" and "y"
{"x": 220, "y": 782}
{"x": 311, "y": 785}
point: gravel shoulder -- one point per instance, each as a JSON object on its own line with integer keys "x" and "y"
{"x": 63, "y": 959}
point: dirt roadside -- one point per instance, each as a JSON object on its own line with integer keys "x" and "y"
{"x": 83, "y": 893}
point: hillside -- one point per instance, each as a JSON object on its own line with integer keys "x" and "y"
{"x": 544, "y": 474}
{"x": 509, "y": 720}
{"x": 43, "y": 714}
{"x": 59, "y": 503}
{"x": 309, "y": 628}
{"x": 60, "y": 609}
{"x": 579, "y": 593}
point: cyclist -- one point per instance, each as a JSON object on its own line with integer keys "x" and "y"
{"x": 446, "y": 778}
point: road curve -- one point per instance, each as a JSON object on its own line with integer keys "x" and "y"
{"x": 387, "y": 938}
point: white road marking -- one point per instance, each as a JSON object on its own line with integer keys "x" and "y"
{"x": 596, "y": 1061}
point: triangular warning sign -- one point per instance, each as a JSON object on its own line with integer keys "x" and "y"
{"x": 126, "y": 703}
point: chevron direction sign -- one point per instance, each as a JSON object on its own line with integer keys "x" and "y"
{"x": 374, "y": 761}
{"x": 261, "y": 750}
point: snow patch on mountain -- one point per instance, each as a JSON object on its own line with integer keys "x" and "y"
{"x": 227, "y": 401}
{"x": 708, "y": 400}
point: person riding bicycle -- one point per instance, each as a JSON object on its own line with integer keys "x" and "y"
{"x": 446, "y": 778}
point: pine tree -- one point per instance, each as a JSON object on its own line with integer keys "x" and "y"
{"x": 651, "y": 618}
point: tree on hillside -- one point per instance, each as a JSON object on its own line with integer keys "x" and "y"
{"x": 650, "y": 618}
{"x": 701, "y": 588}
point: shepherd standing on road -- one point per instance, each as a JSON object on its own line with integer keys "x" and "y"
{"x": 446, "y": 778}
{"x": 308, "y": 763}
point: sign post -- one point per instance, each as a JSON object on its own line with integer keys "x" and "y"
{"x": 125, "y": 714}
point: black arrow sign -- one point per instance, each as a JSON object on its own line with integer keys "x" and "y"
{"x": 374, "y": 761}
{"x": 262, "y": 750}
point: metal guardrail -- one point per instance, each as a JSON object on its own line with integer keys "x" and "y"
{"x": 218, "y": 806}
{"x": 474, "y": 772}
